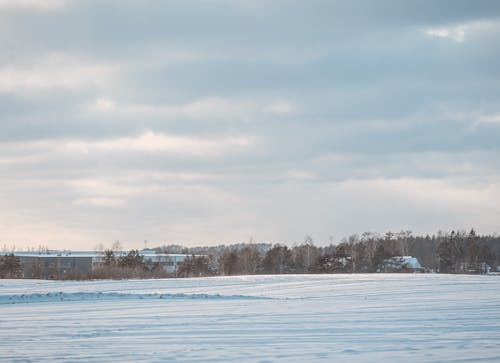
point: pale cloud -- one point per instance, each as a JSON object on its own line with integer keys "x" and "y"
{"x": 481, "y": 119}
{"x": 45, "y": 5}
{"x": 458, "y": 33}
{"x": 107, "y": 188}
{"x": 24, "y": 234}
{"x": 99, "y": 202}
{"x": 302, "y": 175}
{"x": 171, "y": 55}
{"x": 474, "y": 119}
{"x": 104, "y": 104}
{"x": 208, "y": 108}
{"x": 464, "y": 198}
{"x": 19, "y": 159}
{"x": 147, "y": 142}
{"x": 446, "y": 203}
{"x": 150, "y": 141}
{"x": 490, "y": 118}
{"x": 55, "y": 71}
{"x": 280, "y": 107}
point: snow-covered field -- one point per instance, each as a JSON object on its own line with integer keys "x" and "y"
{"x": 341, "y": 318}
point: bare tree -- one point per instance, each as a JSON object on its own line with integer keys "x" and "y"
{"x": 250, "y": 259}
{"x": 117, "y": 247}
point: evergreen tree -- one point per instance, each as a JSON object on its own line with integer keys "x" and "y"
{"x": 109, "y": 258}
{"x": 132, "y": 259}
{"x": 278, "y": 260}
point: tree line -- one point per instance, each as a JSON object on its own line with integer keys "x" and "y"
{"x": 455, "y": 252}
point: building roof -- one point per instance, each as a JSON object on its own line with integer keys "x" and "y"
{"x": 96, "y": 254}
{"x": 403, "y": 261}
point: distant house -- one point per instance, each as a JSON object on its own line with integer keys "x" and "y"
{"x": 56, "y": 264}
{"x": 401, "y": 264}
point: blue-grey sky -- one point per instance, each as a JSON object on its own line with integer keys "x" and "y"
{"x": 214, "y": 121}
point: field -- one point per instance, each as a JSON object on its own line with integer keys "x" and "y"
{"x": 294, "y": 318}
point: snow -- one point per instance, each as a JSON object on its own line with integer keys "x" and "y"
{"x": 412, "y": 262}
{"x": 400, "y": 262}
{"x": 292, "y": 318}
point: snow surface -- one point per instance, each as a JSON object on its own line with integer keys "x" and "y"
{"x": 293, "y": 318}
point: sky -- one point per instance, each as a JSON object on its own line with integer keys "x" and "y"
{"x": 213, "y": 121}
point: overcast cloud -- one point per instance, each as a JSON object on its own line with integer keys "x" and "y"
{"x": 211, "y": 121}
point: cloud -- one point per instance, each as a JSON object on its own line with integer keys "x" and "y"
{"x": 104, "y": 104}
{"x": 458, "y": 33}
{"x": 300, "y": 175}
{"x": 147, "y": 142}
{"x": 220, "y": 120}
{"x": 451, "y": 195}
{"x": 280, "y": 107}
{"x": 208, "y": 108}
{"x": 475, "y": 119}
{"x": 158, "y": 142}
{"x": 99, "y": 202}
{"x": 23, "y": 233}
{"x": 55, "y": 71}
{"x": 420, "y": 204}
{"x": 495, "y": 119}
{"x": 45, "y": 5}
{"x": 204, "y": 108}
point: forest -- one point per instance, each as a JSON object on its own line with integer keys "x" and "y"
{"x": 455, "y": 252}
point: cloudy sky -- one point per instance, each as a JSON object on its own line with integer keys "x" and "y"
{"x": 211, "y": 121}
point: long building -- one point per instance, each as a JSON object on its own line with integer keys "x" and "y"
{"x": 54, "y": 264}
